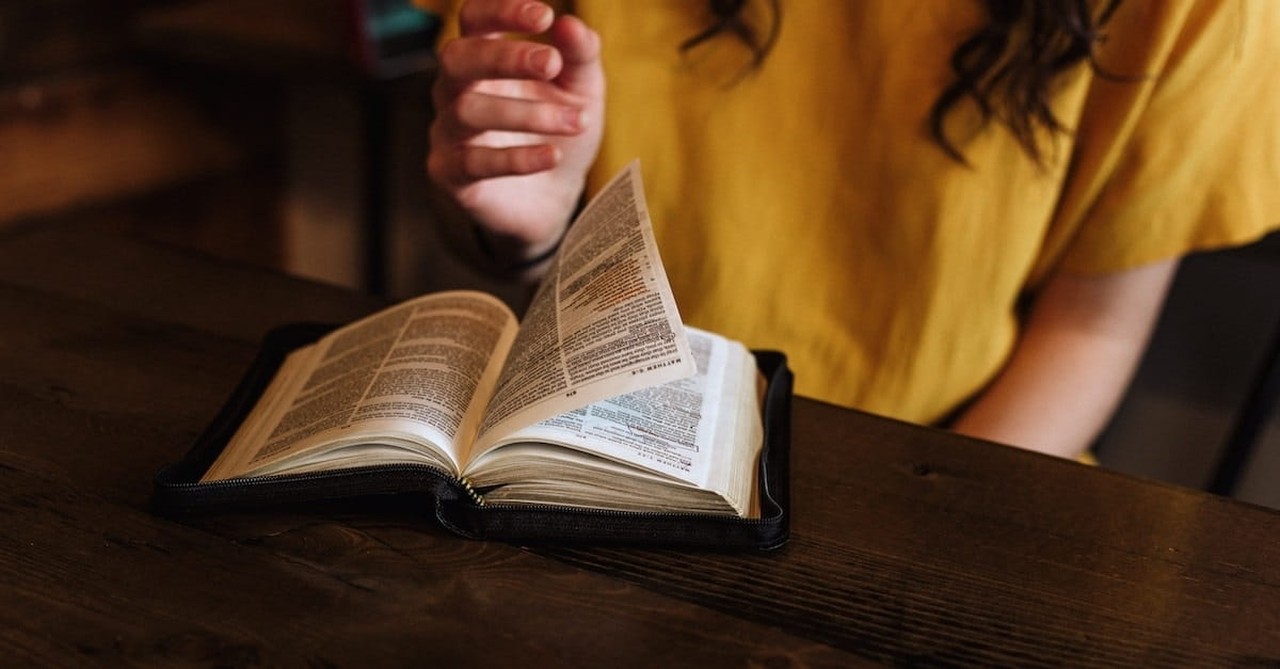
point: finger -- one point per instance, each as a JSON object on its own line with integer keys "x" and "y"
{"x": 474, "y": 112}
{"x": 462, "y": 165}
{"x": 579, "y": 48}
{"x": 470, "y": 59}
{"x": 504, "y": 16}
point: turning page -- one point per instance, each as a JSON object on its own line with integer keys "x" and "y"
{"x": 603, "y": 322}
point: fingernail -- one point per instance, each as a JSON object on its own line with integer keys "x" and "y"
{"x": 573, "y": 118}
{"x": 534, "y": 14}
{"x": 545, "y": 158}
{"x": 540, "y": 60}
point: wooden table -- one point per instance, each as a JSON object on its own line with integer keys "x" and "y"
{"x": 910, "y": 546}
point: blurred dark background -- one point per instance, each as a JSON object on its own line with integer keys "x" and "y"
{"x": 290, "y": 134}
{"x": 283, "y": 133}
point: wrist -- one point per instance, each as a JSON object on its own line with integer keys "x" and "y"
{"x": 515, "y": 256}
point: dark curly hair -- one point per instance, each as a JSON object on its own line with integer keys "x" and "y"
{"x": 1008, "y": 67}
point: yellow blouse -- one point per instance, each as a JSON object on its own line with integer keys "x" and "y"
{"x": 803, "y": 206}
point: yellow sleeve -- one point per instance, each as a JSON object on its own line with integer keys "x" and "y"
{"x": 1184, "y": 156}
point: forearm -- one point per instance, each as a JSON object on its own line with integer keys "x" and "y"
{"x": 1082, "y": 341}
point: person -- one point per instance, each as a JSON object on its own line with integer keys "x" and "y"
{"x": 952, "y": 213}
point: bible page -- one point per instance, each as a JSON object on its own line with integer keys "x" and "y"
{"x": 405, "y": 384}
{"x": 702, "y": 430}
{"x": 603, "y": 322}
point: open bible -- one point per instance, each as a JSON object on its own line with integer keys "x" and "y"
{"x": 599, "y": 401}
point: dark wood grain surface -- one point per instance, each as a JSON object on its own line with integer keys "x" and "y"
{"x": 910, "y": 546}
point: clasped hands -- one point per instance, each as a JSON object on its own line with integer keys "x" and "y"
{"x": 518, "y": 121}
